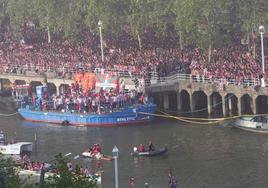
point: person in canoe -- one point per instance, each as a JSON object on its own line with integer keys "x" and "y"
{"x": 151, "y": 146}
{"x": 95, "y": 151}
{"x": 141, "y": 148}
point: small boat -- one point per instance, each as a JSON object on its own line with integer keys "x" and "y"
{"x": 252, "y": 123}
{"x": 14, "y": 148}
{"x": 156, "y": 152}
{"x": 99, "y": 156}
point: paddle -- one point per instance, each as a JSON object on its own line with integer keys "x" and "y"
{"x": 67, "y": 154}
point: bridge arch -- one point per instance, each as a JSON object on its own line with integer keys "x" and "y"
{"x": 63, "y": 88}
{"x": 172, "y": 101}
{"x": 52, "y": 89}
{"x": 5, "y": 87}
{"x": 200, "y": 103}
{"x": 184, "y": 102}
{"x": 246, "y": 104}
{"x": 158, "y": 99}
{"x": 261, "y": 104}
{"x": 216, "y": 104}
{"x": 231, "y": 104}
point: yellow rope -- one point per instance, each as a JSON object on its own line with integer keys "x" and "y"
{"x": 7, "y": 115}
{"x": 189, "y": 120}
{"x": 199, "y": 119}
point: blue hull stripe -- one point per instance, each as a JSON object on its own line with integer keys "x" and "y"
{"x": 126, "y": 116}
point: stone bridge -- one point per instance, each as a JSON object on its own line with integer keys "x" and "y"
{"x": 209, "y": 97}
{"x": 179, "y": 93}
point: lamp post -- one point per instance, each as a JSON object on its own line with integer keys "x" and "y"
{"x": 146, "y": 185}
{"x": 115, "y": 152}
{"x": 101, "y": 43}
{"x": 262, "y": 31}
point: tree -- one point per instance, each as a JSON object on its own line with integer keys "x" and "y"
{"x": 47, "y": 15}
{"x": 19, "y": 12}
{"x": 8, "y": 171}
{"x": 63, "y": 179}
{"x": 66, "y": 179}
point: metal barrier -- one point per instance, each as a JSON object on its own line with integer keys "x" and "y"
{"x": 150, "y": 79}
{"x": 171, "y": 79}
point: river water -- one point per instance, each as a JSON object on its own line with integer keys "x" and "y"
{"x": 211, "y": 156}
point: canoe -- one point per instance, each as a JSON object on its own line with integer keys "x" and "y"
{"x": 156, "y": 152}
{"x": 98, "y": 157}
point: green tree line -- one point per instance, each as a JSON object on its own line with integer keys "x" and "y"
{"x": 204, "y": 23}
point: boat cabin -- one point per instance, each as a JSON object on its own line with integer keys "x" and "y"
{"x": 261, "y": 119}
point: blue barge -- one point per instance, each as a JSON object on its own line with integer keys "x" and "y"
{"x": 138, "y": 113}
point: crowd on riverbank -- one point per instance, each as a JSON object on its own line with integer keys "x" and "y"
{"x": 24, "y": 162}
{"x": 63, "y": 57}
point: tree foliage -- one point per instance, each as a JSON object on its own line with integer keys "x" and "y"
{"x": 62, "y": 179}
{"x": 202, "y": 23}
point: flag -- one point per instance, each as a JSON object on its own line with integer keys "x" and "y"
{"x": 106, "y": 81}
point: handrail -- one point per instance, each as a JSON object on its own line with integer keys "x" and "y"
{"x": 154, "y": 77}
{"x": 188, "y": 77}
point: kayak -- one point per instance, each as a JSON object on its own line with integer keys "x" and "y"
{"x": 98, "y": 156}
{"x": 156, "y": 152}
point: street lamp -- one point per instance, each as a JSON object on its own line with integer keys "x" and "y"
{"x": 262, "y": 31}
{"x": 100, "y": 28}
{"x": 146, "y": 185}
{"x": 115, "y": 152}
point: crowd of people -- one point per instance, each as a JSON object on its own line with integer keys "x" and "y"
{"x": 27, "y": 164}
{"x": 98, "y": 102}
{"x": 63, "y": 58}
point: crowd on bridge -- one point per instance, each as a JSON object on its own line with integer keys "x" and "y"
{"x": 62, "y": 57}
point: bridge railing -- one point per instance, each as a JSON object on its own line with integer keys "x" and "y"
{"x": 68, "y": 73}
{"x": 62, "y": 73}
{"x": 171, "y": 79}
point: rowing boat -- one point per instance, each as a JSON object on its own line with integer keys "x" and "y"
{"x": 156, "y": 152}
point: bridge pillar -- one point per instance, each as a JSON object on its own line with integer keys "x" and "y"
{"x": 253, "y": 106}
{"x": 239, "y": 107}
{"x": 209, "y": 105}
{"x": 230, "y": 107}
{"x": 223, "y": 106}
{"x": 266, "y": 103}
{"x": 166, "y": 101}
{"x": 57, "y": 89}
{"x": 191, "y": 102}
{"x": 1, "y": 84}
{"x": 179, "y": 103}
